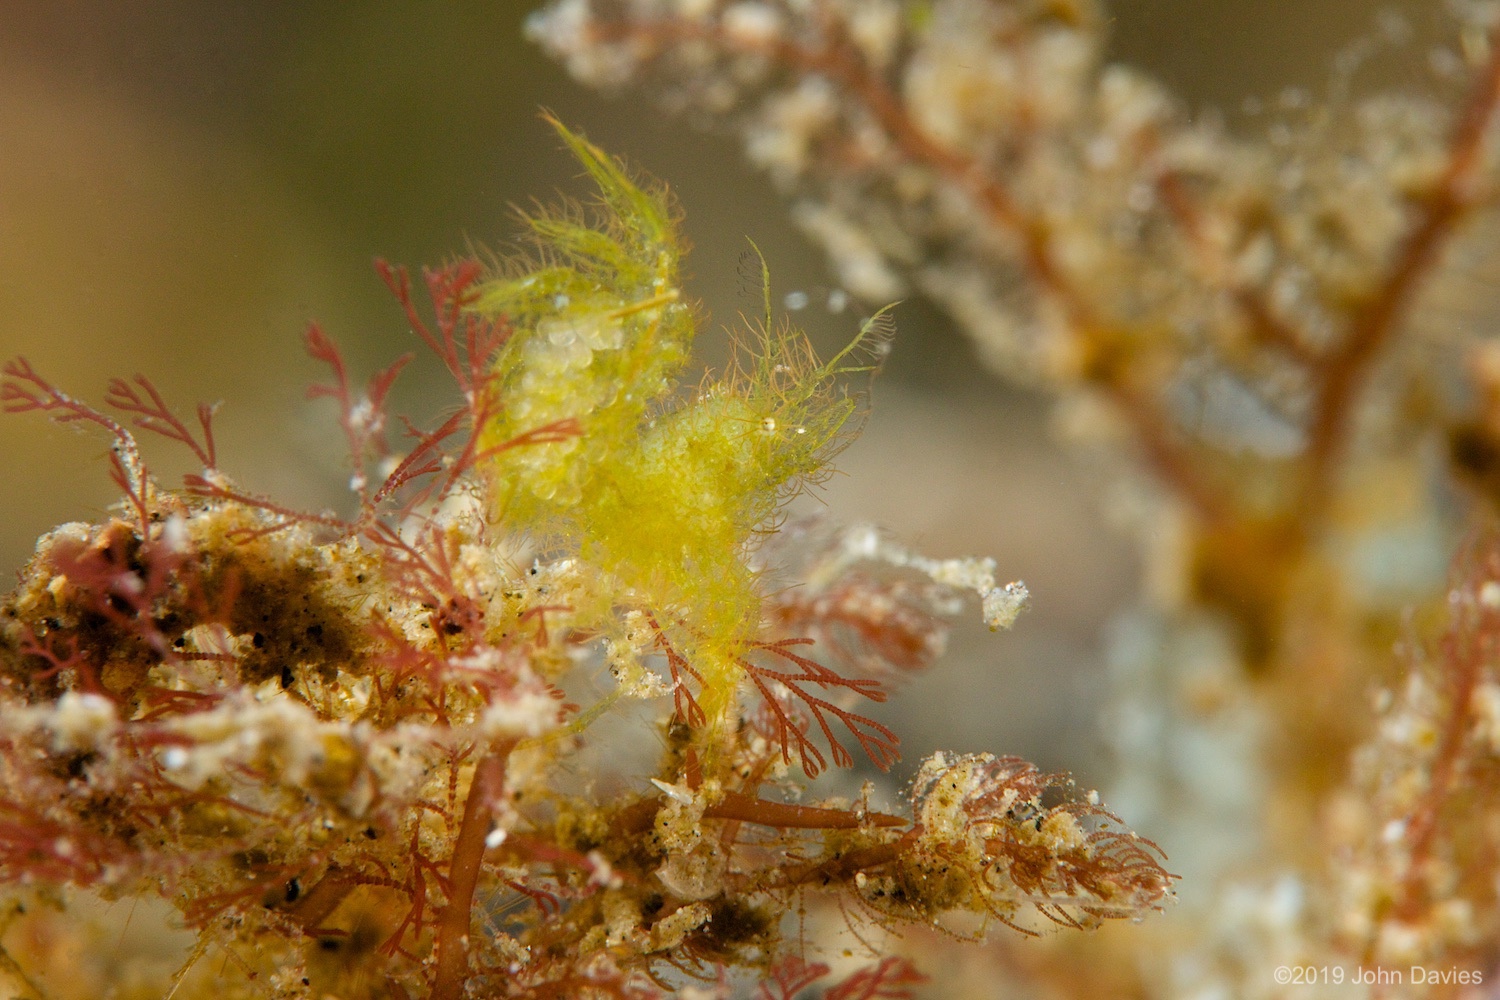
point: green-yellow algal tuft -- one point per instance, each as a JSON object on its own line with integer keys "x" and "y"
{"x": 662, "y": 491}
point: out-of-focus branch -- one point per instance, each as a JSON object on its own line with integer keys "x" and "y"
{"x": 1438, "y": 214}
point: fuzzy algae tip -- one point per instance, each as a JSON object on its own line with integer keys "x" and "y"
{"x": 660, "y": 490}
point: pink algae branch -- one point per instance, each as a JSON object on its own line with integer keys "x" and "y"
{"x": 877, "y": 740}
{"x": 452, "y": 290}
{"x": 788, "y": 727}
{"x": 432, "y": 466}
{"x": 889, "y": 979}
{"x": 789, "y": 977}
{"x": 1454, "y": 766}
{"x": 24, "y": 390}
{"x": 362, "y": 418}
{"x": 152, "y": 414}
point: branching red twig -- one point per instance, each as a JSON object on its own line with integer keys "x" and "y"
{"x": 363, "y": 420}
{"x": 464, "y": 341}
{"x": 485, "y": 791}
{"x": 686, "y": 706}
{"x": 154, "y": 415}
{"x": 24, "y": 390}
{"x": 1469, "y": 646}
{"x": 877, "y": 741}
{"x": 59, "y": 662}
{"x": 889, "y": 979}
{"x": 789, "y": 977}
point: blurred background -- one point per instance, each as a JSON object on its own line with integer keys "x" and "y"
{"x": 185, "y": 185}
